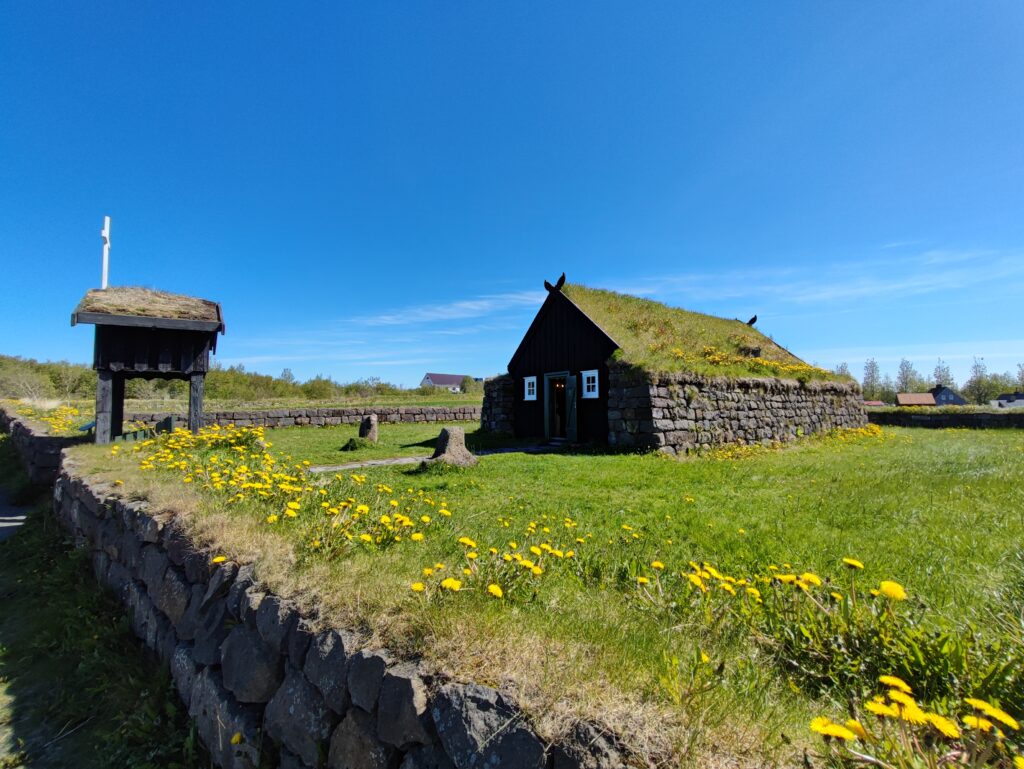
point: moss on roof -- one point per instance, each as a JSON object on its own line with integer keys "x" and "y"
{"x": 655, "y": 337}
{"x": 147, "y": 303}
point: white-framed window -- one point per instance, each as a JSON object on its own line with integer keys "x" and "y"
{"x": 590, "y": 386}
{"x": 530, "y": 388}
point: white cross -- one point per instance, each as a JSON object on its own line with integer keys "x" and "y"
{"x": 105, "y": 234}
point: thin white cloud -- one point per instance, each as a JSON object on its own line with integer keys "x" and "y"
{"x": 461, "y": 309}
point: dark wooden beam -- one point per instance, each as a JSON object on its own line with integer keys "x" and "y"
{"x": 104, "y": 405}
{"x": 117, "y": 405}
{"x": 138, "y": 321}
{"x": 195, "y": 402}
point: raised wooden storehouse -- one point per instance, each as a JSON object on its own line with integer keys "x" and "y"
{"x": 150, "y": 335}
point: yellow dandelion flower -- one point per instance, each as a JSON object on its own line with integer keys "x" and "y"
{"x": 993, "y": 712}
{"x": 827, "y": 728}
{"x": 416, "y": 536}
{"x": 642, "y": 580}
{"x": 450, "y": 583}
{"x": 811, "y": 578}
{"x": 417, "y": 587}
{"x": 495, "y": 590}
{"x": 976, "y": 722}
{"x": 219, "y": 559}
{"x": 272, "y": 518}
{"x": 366, "y": 538}
{"x": 853, "y": 563}
{"x": 855, "y": 726}
{"x": 945, "y": 726}
{"x": 894, "y": 591}
{"x": 896, "y": 683}
{"x": 657, "y": 565}
{"x": 467, "y": 542}
{"x": 882, "y": 710}
{"x": 901, "y": 697}
{"x": 1018, "y": 762}
{"x": 537, "y": 571}
{"x": 427, "y": 571}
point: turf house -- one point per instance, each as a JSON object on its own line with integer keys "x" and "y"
{"x": 152, "y": 335}
{"x": 601, "y": 367}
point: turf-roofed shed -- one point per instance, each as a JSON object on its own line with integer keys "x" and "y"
{"x": 149, "y": 334}
{"x": 598, "y": 366}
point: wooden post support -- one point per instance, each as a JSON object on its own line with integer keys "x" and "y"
{"x": 117, "y": 406}
{"x": 195, "y": 402}
{"x": 104, "y": 405}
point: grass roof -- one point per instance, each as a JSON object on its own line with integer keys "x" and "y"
{"x": 147, "y": 303}
{"x": 655, "y": 337}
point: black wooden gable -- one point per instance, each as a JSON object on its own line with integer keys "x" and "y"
{"x": 562, "y": 331}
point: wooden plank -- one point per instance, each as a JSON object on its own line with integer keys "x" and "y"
{"x": 104, "y": 395}
{"x": 195, "y": 402}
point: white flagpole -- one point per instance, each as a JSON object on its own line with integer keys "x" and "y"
{"x": 105, "y": 232}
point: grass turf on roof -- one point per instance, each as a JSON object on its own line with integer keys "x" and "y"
{"x": 658, "y": 338}
{"x": 147, "y": 303}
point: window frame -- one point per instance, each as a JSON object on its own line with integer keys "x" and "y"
{"x": 597, "y": 384}
{"x": 527, "y": 395}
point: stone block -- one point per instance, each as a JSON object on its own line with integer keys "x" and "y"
{"x": 478, "y": 728}
{"x": 275, "y": 619}
{"x": 365, "y": 674}
{"x": 427, "y": 757}
{"x": 183, "y": 671}
{"x": 298, "y": 717}
{"x": 219, "y": 718}
{"x": 402, "y": 717}
{"x": 252, "y": 670}
{"x": 354, "y": 745}
{"x": 326, "y": 666}
{"x": 172, "y": 595}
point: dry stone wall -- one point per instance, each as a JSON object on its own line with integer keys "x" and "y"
{"x": 320, "y": 417}
{"x": 39, "y": 452}
{"x": 677, "y": 413}
{"x": 269, "y": 686}
{"x": 978, "y": 420}
{"x": 497, "y": 413}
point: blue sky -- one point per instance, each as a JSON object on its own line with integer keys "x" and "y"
{"x": 379, "y": 189}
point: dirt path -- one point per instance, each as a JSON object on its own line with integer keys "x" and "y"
{"x": 416, "y": 460}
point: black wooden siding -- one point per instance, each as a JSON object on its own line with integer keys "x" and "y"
{"x": 149, "y": 352}
{"x": 562, "y": 338}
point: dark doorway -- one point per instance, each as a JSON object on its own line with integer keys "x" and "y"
{"x": 560, "y": 406}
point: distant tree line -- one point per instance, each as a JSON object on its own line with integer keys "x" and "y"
{"x": 980, "y": 387}
{"x": 61, "y": 380}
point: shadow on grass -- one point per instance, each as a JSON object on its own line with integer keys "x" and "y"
{"x": 76, "y": 688}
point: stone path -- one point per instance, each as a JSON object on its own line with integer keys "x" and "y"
{"x": 11, "y": 517}
{"x": 417, "y": 460}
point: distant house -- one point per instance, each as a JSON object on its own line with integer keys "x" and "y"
{"x": 1009, "y": 401}
{"x": 450, "y": 382}
{"x": 944, "y": 396}
{"x": 915, "y": 399}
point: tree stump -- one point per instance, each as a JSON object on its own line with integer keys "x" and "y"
{"x": 451, "y": 449}
{"x": 368, "y": 428}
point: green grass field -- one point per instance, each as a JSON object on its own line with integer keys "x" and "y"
{"x": 614, "y": 631}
